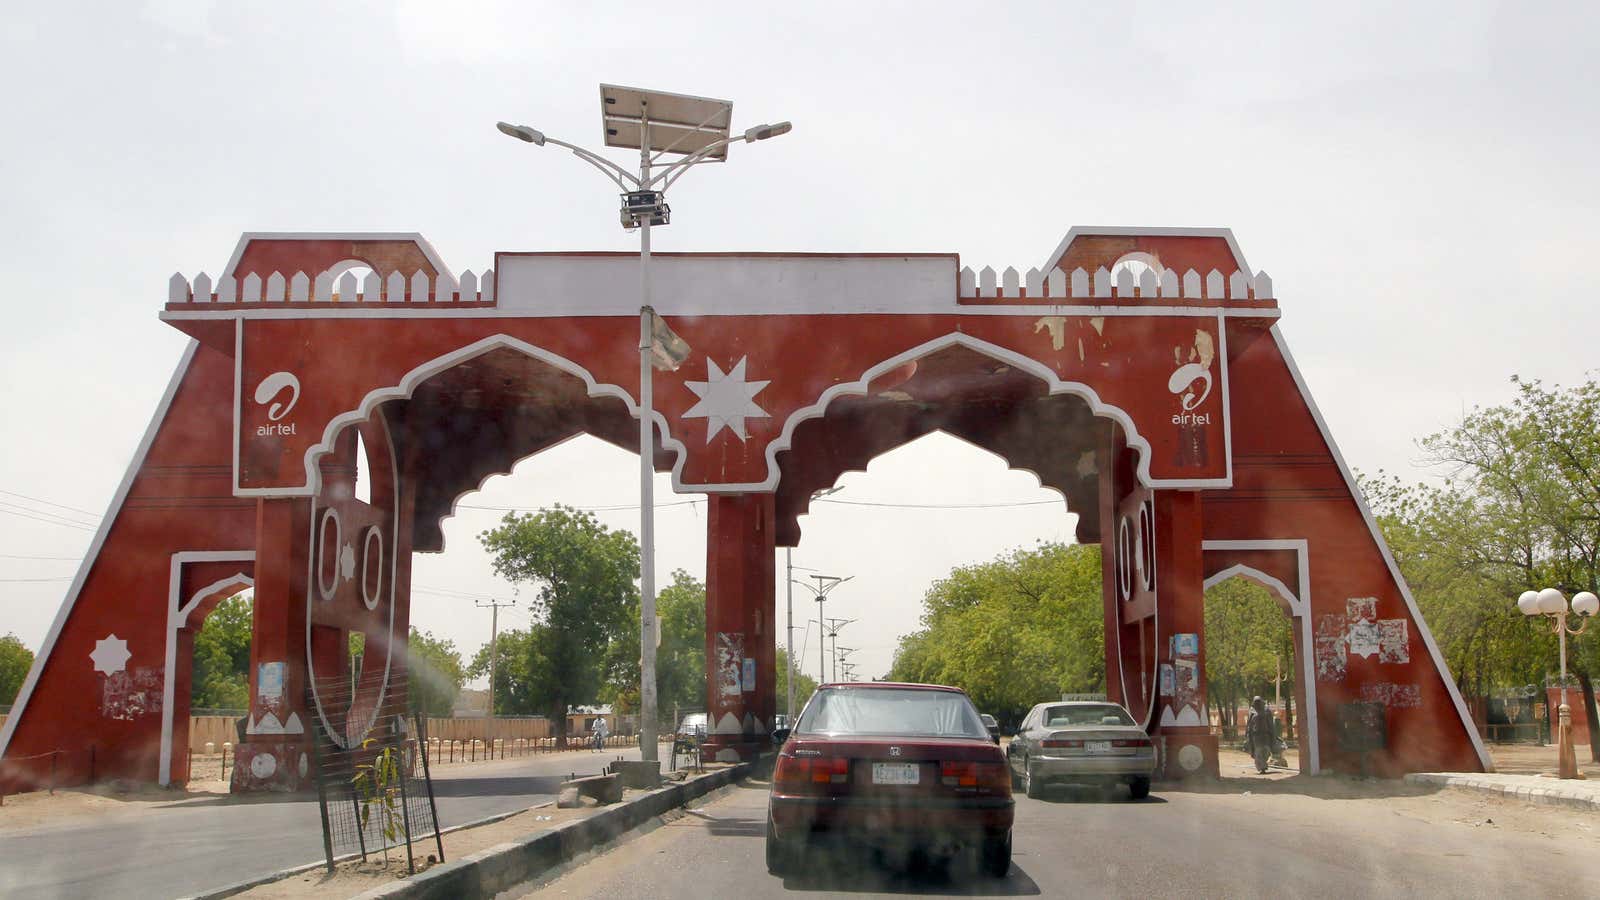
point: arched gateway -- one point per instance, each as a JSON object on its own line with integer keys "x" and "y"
{"x": 1138, "y": 371}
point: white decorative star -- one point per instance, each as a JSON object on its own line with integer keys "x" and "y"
{"x": 110, "y": 655}
{"x": 725, "y": 399}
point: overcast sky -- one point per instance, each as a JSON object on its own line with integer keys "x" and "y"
{"x": 1420, "y": 181}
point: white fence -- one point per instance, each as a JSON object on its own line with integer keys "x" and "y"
{"x": 1148, "y": 285}
{"x": 298, "y": 288}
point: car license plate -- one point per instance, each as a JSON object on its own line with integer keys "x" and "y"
{"x": 1097, "y": 746}
{"x": 894, "y": 773}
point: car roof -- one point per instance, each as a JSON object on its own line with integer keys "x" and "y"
{"x": 892, "y": 684}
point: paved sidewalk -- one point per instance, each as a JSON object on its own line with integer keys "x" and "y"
{"x": 1540, "y": 789}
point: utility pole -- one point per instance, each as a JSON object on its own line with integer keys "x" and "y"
{"x": 833, "y": 633}
{"x": 840, "y": 654}
{"x": 494, "y": 637}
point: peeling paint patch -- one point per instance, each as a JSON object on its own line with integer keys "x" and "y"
{"x": 1080, "y": 350}
{"x": 1205, "y": 347}
{"x": 1058, "y": 331}
{"x": 730, "y": 663}
{"x": 1330, "y": 648}
{"x": 131, "y": 695}
{"x": 1362, "y": 637}
{"x": 1396, "y": 696}
{"x": 1099, "y": 325}
{"x": 1394, "y": 645}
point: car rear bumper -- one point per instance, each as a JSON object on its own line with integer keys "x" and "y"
{"x": 1092, "y": 768}
{"x": 887, "y": 819}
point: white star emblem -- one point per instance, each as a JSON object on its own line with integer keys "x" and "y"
{"x": 110, "y": 655}
{"x": 725, "y": 399}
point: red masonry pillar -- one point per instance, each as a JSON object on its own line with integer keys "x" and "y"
{"x": 274, "y": 753}
{"x": 1191, "y": 748}
{"x": 740, "y": 653}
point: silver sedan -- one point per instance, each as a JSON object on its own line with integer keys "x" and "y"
{"x": 1084, "y": 743}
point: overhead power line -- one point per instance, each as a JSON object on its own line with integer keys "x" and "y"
{"x": 33, "y": 580}
{"x": 62, "y": 558}
{"x": 92, "y": 515}
{"x": 998, "y": 505}
{"x": 23, "y": 512}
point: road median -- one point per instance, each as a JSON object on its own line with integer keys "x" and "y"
{"x": 497, "y": 868}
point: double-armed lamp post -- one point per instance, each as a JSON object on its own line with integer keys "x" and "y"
{"x": 1553, "y": 604}
{"x": 695, "y": 130}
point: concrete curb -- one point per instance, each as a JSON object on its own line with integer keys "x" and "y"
{"x": 1530, "y": 789}
{"x": 490, "y": 871}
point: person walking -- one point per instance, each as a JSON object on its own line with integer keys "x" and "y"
{"x": 1261, "y": 737}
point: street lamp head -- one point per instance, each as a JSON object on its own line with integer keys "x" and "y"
{"x": 1552, "y": 602}
{"x": 522, "y": 133}
{"x": 762, "y": 132}
{"x": 1529, "y": 603}
{"x": 1586, "y": 604}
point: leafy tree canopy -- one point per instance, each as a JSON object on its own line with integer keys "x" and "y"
{"x": 15, "y": 660}
{"x": 222, "y": 657}
{"x": 584, "y": 599}
{"x": 1012, "y": 632}
{"x": 436, "y": 673}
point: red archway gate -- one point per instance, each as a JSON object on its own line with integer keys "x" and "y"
{"x": 1139, "y": 371}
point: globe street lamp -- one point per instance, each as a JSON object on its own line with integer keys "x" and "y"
{"x": 696, "y": 130}
{"x": 1552, "y": 603}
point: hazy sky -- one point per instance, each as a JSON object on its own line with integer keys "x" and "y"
{"x": 1419, "y": 180}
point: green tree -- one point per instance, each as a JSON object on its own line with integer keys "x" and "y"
{"x": 1247, "y": 637}
{"x": 436, "y": 673}
{"x": 681, "y": 658}
{"x": 517, "y": 659}
{"x": 221, "y": 678}
{"x": 804, "y": 685}
{"x": 1012, "y": 632}
{"x": 15, "y": 661}
{"x": 582, "y": 578}
{"x": 1520, "y": 510}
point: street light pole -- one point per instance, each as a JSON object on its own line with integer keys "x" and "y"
{"x": 707, "y": 130}
{"x": 788, "y": 647}
{"x": 1552, "y": 603}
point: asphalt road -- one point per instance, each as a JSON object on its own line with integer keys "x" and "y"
{"x": 209, "y": 842}
{"x": 1286, "y": 842}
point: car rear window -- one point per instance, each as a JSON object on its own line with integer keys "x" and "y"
{"x": 892, "y": 711}
{"x": 1095, "y": 714}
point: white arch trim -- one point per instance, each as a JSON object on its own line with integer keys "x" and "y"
{"x": 407, "y": 386}
{"x": 1299, "y": 603}
{"x": 594, "y": 388}
{"x": 313, "y": 593}
{"x": 178, "y": 612}
{"x": 1012, "y": 358}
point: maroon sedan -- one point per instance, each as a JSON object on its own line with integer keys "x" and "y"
{"x": 909, "y": 765}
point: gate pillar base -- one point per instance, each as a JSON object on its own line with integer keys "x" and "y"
{"x": 735, "y": 748}
{"x": 266, "y": 765}
{"x": 1188, "y": 754}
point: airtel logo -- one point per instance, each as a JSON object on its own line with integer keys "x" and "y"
{"x": 270, "y": 390}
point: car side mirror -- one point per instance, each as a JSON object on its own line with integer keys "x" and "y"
{"x": 996, "y": 738}
{"x": 780, "y": 735}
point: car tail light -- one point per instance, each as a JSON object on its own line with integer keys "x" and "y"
{"x": 1061, "y": 743}
{"x": 1131, "y": 742}
{"x": 830, "y": 770}
{"x": 959, "y": 774}
{"x": 799, "y": 774}
{"x": 987, "y": 776}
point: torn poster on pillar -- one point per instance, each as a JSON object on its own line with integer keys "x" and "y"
{"x": 269, "y": 682}
{"x": 1398, "y": 696}
{"x": 130, "y": 695}
{"x": 730, "y": 663}
{"x": 1330, "y": 647}
{"x": 749, "y": 675}
{"x": 1362, "y": 638}
{"x": 1393, "y": 641}
{"x": 1168, "y": 680}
